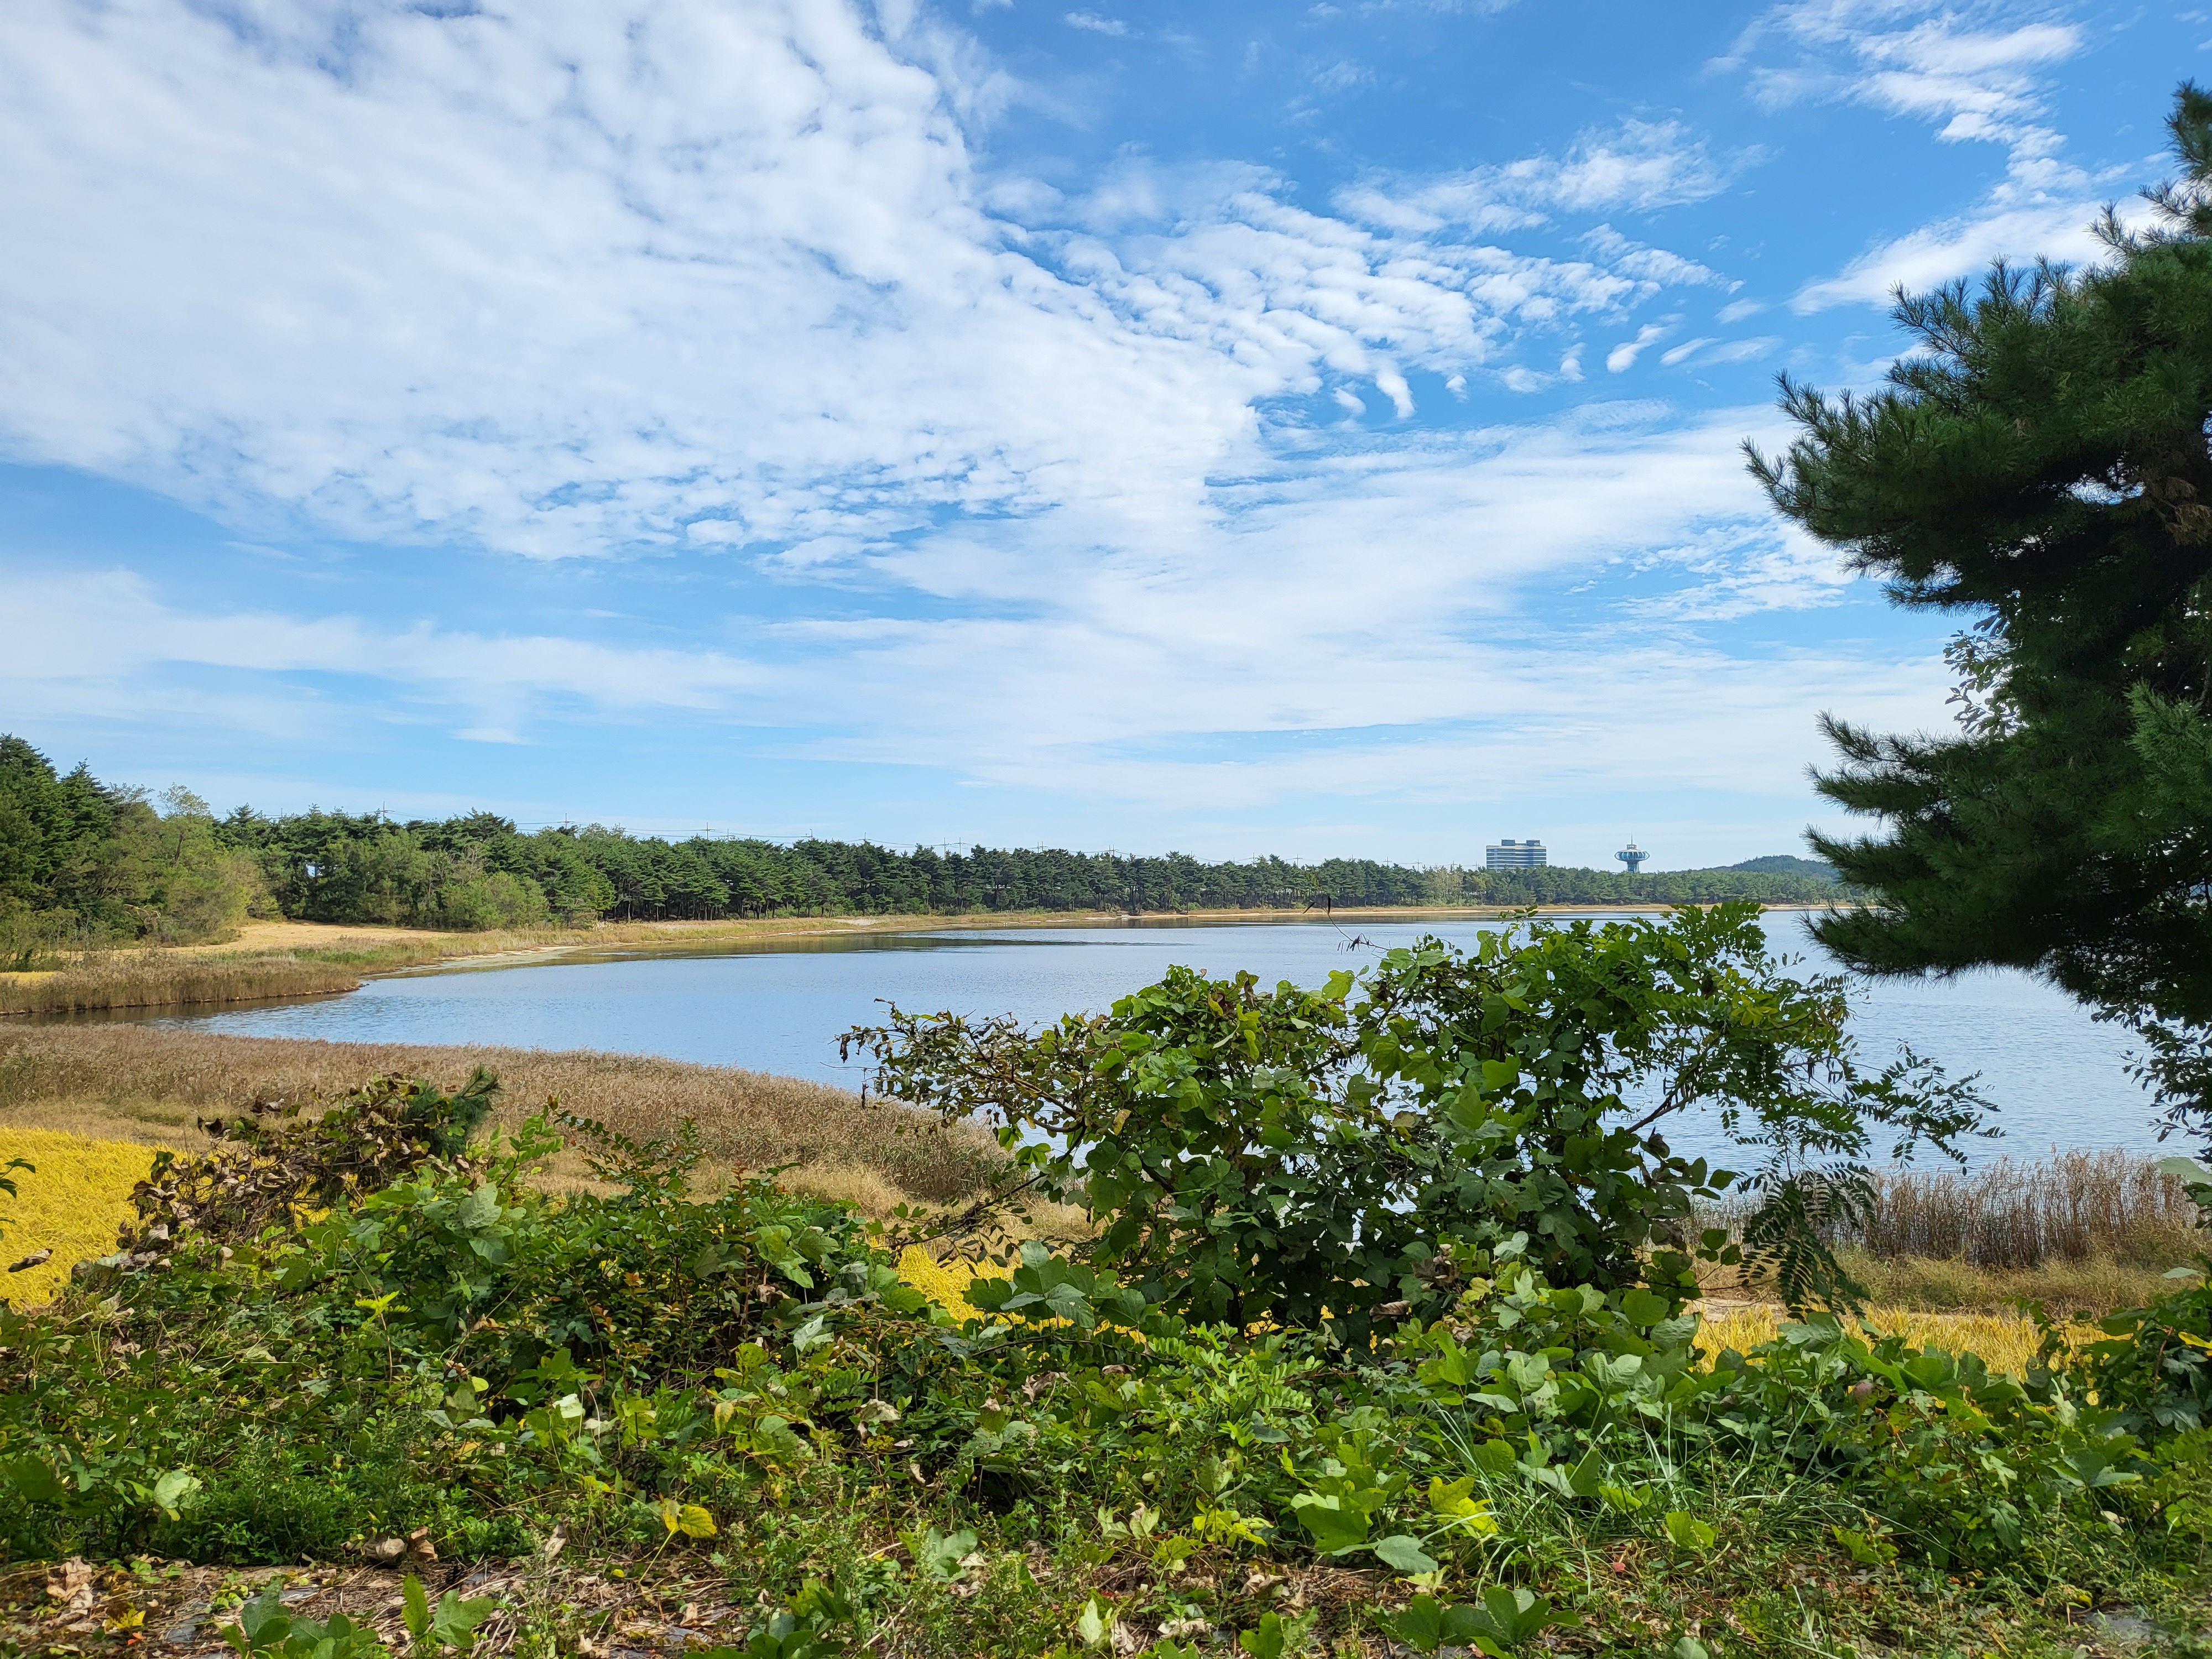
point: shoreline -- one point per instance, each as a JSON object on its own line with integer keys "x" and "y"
{"x": 282, "y": 960}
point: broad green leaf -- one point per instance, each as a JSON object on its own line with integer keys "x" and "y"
{"x": 415, "y": 1608}
{"x": 1496, "y": 1457}
{"x": 1689, "y": 1533}
{"x": 455, "y": 1622}
{"x": 1336, "y": 1527}
{"x": 34, "y": 1478}
{"x": 1865, "y": 1548}
{"x": 937, "y": 1556}
{"x": 1404, "y": 1553}
{"x": 173, "y": 1489}
{"x": 1276, "y": 1637}
{"x": 1641, "y": 1307}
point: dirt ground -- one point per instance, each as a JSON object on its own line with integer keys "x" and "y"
{"x": 176, "y": 1609}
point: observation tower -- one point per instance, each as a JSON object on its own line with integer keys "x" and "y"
{"x": 1632, "y": 856}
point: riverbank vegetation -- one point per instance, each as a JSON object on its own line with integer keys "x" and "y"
{"x": 2085, "y": 1235}
{"x": 647, "y": 1410}
{"x": 160, "y": 979}
{"x": 134, "y": 1083}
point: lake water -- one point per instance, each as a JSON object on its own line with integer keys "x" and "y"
{"x": 2057, "y": 1077}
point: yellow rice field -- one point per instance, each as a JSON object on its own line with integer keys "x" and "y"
{"x": 71, "y": 1204}
{"x": 2006, "y": 1342}
{"x": 944, "y": 1283}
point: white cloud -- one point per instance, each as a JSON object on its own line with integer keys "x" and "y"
{"x": 1651, "y": 264}
{"x": 463, "y": 669}
{"x": 1736, "y": 310}
{"x": 1970, "y": 67}
{"x": 585, "y": 276}
{"x": 1641, "y": 166}
{"x": 1623, "y": 357}
{"x": 1709, "y": 351}
{"x": 1957, "y": 248}
{"x": 1095, "y": 24}
{"x": 1976, "y": 72}
{"x": 1736, "y": 573}
{"x": 1081, "y": 657}
{"x": 1742, "y": 351}
{"x": 1646, "y": 165}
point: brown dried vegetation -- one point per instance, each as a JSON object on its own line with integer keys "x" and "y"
{"x": 136, "y": 1083}
{"x": 2084, "y": 1234}
{"x": 156, "y": 979}
{"x": 2076, "y": 1207}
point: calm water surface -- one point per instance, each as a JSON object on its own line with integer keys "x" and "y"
{"x": 2057, "y": 1078}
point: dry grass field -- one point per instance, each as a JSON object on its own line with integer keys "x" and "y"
{"x": 2006, "y": 1341}
{"x": 123, "y": 1082}
{"x": 158, "y": 979}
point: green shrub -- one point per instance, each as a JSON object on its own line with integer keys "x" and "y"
{"x": 1315, "y": 1156}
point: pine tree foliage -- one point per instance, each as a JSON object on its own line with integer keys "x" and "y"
{"x": 2039, "y": 463}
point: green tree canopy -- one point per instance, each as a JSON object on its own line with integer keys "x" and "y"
{"x": 2039, "y": 463}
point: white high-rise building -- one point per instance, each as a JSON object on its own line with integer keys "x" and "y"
{"x": 1511, "y": 854}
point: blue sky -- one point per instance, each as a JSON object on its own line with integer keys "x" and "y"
{"x": 1225, "y": 428}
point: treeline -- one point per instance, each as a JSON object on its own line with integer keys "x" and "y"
{"x": 81, "y": 861}
{"x": 87, "y": 863}
{"x": 480, "y": 871}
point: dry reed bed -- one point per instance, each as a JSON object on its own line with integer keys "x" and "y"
{"x": 2009, "y": 1216}
{"x": 152, "y": 979}
{"x": 136, "y": 1083}
{"x": 2074, "y": 1206}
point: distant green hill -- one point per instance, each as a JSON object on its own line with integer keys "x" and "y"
{"x": 1788, "y": 864}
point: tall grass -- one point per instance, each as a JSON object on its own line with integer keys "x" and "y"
{"x": 136, "y": 1083}
{"x": 2083, "y": 1234}
{"x": 2073, "y": 1207}
{"x": 153, "y": 978}
{"x": 2076, "y": 1207}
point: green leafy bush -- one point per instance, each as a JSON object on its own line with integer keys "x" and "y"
{"x": 428, "y": 1346}
{"x": 1317, "y": 1157}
